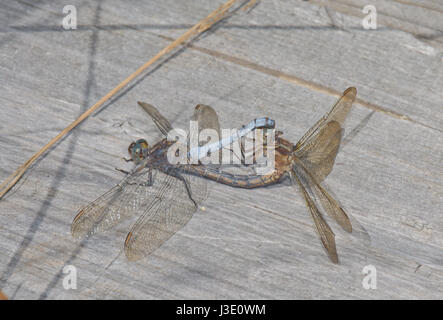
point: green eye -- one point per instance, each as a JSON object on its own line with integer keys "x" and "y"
{"x": 138, "y": 150}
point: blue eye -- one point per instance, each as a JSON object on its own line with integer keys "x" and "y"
{"x": 138, "y": 150}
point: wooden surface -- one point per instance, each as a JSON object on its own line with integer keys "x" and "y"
{"x": 284, "y": 60}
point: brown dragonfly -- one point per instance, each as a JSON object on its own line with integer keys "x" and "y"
{"x": 307, "y": 164}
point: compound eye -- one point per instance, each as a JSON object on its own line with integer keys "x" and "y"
{"x": 143, "y": 144}
{"x": 131, "y": 148}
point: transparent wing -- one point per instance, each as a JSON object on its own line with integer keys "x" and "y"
{"x": 207, "y": 118}
{"x": 329, "y": 204}
{"x": 161, "y": 122}
{"x": 318, "y": 154}
{"x": 327, "y": 237}
{"x": 169, "y": 211}
{"x": 333, "y": 208}
{"x": 338, "y": 113}
{"x": 124, "y": 200}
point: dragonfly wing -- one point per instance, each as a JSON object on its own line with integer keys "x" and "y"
{"x": 169, "y": 211}
{"x": 333, "y": 208}
{"x": 318, "y": 154}
{"x": 338, "y": 113}
{"x": 122, "y": 201}
{"x": 161, "y": 122}
{"x": 207, "y": 118}
{"x": 327, "y": 237}
{"x": 329, "y": 204}
{"x": 196, "y": 187}
{"x": 208, "y": 128}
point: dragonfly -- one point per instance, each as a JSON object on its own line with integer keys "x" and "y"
{"x": 306, "y": 163}
{"x": 164, "y": 195}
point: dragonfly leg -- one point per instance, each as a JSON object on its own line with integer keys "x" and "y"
{"x": 147, "y": 184}
{"x": 188, "y": 189}
{"x": 121, "y": 170}
{"x": 150, "y": 181}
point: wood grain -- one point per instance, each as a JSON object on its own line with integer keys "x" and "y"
{"x": 282, "y": 59}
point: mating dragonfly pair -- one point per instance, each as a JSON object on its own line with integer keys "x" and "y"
{"x": 166, "y": 195}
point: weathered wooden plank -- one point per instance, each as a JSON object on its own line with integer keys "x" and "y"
{"x": 420, "y": 19}
{"x": 273, "y": 61}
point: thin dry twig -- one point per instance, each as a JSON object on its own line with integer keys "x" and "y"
{"x": 250, "y": 5}
{"x": 200, "y": 27}
{"x": 3, "y": 296}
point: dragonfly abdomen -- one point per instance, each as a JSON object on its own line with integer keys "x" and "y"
{"x": 234, "y": 180}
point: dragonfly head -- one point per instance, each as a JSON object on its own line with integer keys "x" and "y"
{"x": 138, "y": 150}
